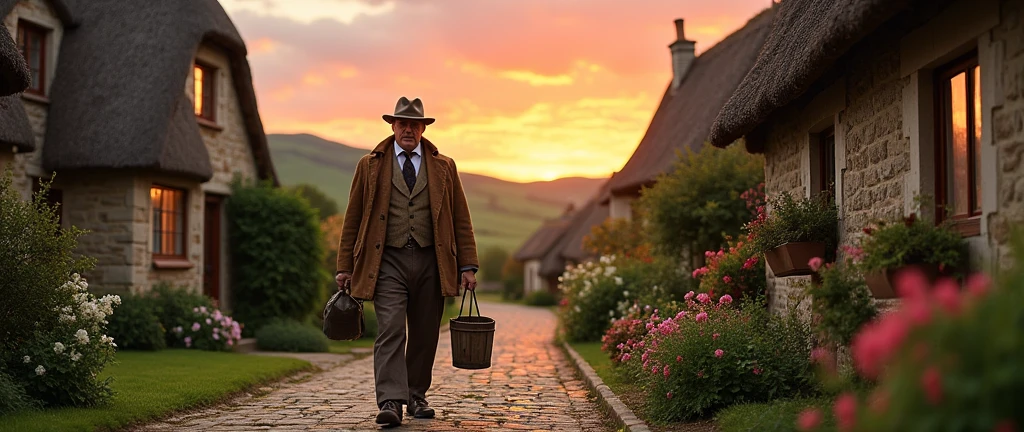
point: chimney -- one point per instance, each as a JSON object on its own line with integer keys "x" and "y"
{"x": 682, "y": 55}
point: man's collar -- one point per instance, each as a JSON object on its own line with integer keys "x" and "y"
{"x": 418, "y": 150}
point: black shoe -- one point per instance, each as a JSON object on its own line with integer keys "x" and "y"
{"x": 390, "y": 414}
{"x": 418, "y": 408}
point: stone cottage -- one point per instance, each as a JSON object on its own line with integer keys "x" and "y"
{"x": 890, "y": 100}
{"x": 145, "y": 111}
{"x": 541, "y": 267}
{"x": 699, "y": 87}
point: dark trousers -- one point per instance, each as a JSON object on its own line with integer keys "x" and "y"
{"x": 408, "y": 291}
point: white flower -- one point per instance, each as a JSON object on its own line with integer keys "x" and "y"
{"x": 40, "y": 370}
{"x": 611, "y": 313}
{"x": 75, "y": 356}
{"x": 64, "y": 319}
{"x": 618, "y": 280}
{"x": 625, "y": 293}
{"x": 610, "y": 270}
{"x": 58, "y": 347}
{"x": 82, "y": 336}
{"x": 28, "y": 359}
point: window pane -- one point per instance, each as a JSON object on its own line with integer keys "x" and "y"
{"x": 977, "y": 139}
{"x": 155, "y": 195}
{"x": 957, "y": 184}
{"x": 198, "y": 88}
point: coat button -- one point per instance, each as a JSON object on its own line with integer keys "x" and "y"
{"x": 412, "y": 228}
{"x": 377, "y": 246}
{"x": 410, "y": 204}
{"x": 371, "y": 275}
{"x": 381, "y": 217}
{"x": 412, "y": 216}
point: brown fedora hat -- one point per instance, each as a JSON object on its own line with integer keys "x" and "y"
{"x": 405, "y": 109}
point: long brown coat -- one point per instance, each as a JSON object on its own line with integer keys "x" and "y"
{"x": 366, "y": 219}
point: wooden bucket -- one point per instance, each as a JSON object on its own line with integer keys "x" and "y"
{"x": 472, "y": 338}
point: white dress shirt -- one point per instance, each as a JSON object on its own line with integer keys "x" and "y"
{"x": 417, "y": 159}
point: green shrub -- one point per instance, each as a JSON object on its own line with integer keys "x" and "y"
{"x": 591, "y": 293}
{"x": 277, "y": 250}
{"x": 290, "y": 336}
{"x": 174, "y": 307}
{"x": 540, "y": 298}
{"x": 36, "y": 258}
{"x": 712, "y": 355}
{"x": 492, "y": 264}
{"x": 813, "y": 219}
{"x": 12, "y": 396}
{"x": 369, "y": 321}
{"x": 841, "y": 303}
{"x": 912, "y": 240}
{"x": 136, "y": 325}
{"x": 512, "y": 280}
{"x": 698, "y": 202}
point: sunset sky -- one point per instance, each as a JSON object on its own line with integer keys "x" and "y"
{"x": 522, "y": 90}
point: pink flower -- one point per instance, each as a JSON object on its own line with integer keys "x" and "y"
{"x": 701, "y": 317}
{"x": 809, "y": 419}
{"x": 626, "y": 357}
{"x": 679, "y": 359}
{"x": 719, "y": 353}
{"x": 750, "y": 263}
{"x": 876, "y": 342}
{"x": 700, "y": 374}
{"x": 680, "y": 315}
{"x": 931, "y": 381}
{"x": 978, "y": 284}
{"x": 195, "y": 326}
{"x": 911, "y": 285}
{"x": 188, "y": 341}
{"x": 230, "y": 342}
{"x": 714, "y": 336}
{"x": 721, "y": 253}
{"x": 846, "y": 411}
{"x": 216, "y": 336}
{"x": 815, "y": 263}
{"x": 948, "y": 296}
{"x": 757, "y": 371}
{"x": 726, "y": 279}
{"x": 665, "y": 371}
{"x": 726, "y": 299}
{"x": 654, "y": 369}
{"x": 689, "y": 295}
{"x": 703, "y": 298}
{"x": 668, "y": 395}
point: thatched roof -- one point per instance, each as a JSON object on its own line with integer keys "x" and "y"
{"x": 15, "y": 130}
{"x": 14, "y": 73}
{"x": 118, "y": 98}
{"x": 806, "y": 38}
{"x": 539, "y": 244}
{"x": 684, "y": 117}
{"x": 15, "y": 77}
{"x": 570, "y": 247}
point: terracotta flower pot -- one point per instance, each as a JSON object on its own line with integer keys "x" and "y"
{"x": 882, "y": 282}
{"x": 791, "y": 259}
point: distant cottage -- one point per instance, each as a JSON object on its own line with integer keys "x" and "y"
{"x": 700, "y": 86}
{"x": 145, "y": 111}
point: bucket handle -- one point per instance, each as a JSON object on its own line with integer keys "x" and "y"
{"x": 473, "y": 296}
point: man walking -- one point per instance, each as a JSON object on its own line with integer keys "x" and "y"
{"x": 406, "y": 243}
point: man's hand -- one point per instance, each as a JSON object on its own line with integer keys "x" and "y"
{"x": 344, "y": 280}
{"x": 469, "y": 280}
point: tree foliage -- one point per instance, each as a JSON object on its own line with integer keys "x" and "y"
{"x": 317, "y": 199}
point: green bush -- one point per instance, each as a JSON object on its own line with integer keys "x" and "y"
{"x": 512, "y": 280}
{"x": 912, "y": 240}
{"x": 12, "y": 396}
{"x": 492, "y": 264}
{"x": 698, "y": 202}
{"x": 277, "y": 250}
{"x": 713, "y": 355}
{"x": 317, "y": 199}
{"x": 290, "y": 336}
{"x": 136, "y": 325}
{"x": 174, "y": 307}
{"x": 841, "y": 303}
{"x": 540, "y": 298}
{"x": 813, "y": 219}
{"x": 369, "y": 321}
{"x": 36, "y": 258}
{"x": 591, "y": 293}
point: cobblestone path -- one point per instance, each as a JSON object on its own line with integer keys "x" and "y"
{"x": 530, "y": 386}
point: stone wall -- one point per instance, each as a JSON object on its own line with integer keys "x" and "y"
{"x": 869, "y": 126}
{"x": 1008, "y": 130}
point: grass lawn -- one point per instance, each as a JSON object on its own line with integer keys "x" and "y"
{"x": 148, "y": 385}
{"x": 778, "y": 415}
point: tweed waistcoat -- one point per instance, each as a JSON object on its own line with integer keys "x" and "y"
{"x": 409, "y": 213}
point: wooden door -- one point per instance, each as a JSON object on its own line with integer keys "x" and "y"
{"x": 211, "y": 246}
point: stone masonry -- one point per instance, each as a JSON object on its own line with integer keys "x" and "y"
{"x": 1008, "y": 127}
{"x": 530, "y": 386}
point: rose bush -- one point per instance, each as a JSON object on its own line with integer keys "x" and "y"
{"x": 712, "y": 354}
{"x": 737, "y": 271}
{"x": 210, "y": 330}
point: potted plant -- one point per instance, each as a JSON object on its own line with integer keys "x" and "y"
{"x": 910, "y": 243}
{"x": 795, "y": 232}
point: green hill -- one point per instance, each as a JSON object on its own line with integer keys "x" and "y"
{"x": 504, "y": 213}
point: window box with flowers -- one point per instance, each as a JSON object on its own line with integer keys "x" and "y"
{"x": 795, "y": 232}
{"x": 891, "y": 248}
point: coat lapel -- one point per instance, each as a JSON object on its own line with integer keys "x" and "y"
{"x": 437, "y": 179}
{"x": 421, "y": 179}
